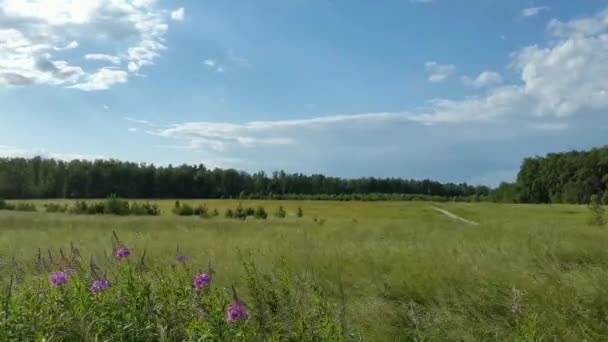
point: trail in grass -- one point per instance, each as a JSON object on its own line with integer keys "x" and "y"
{"x": 455, "y": 217}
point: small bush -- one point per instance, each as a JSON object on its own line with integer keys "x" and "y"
{"x": 144, "y": 209}
{"x": 260, "y": 213}
{"x": 183, "y": 209}
{"x": 2, "y": 204}
{"x": 215, "y": 213}
{"x": 597, "y": 211}
{"x": 240, "y": 212}
{"x": 56, "y": 208}
{"x": 25, "y": 207}
{"x": 229, "y": 213}
{"x": 201, "y": 210}
{"x": 80, "y": 207}
{"x": 280, "y": 213}
{"x": 605, "y": 197}
{"x": 116, "y": 206}
{"x": 300, "y": 212}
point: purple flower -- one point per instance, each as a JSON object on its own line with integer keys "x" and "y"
{"x": 202, "y": 281}
{"x": 99, "y": 285}
{"x": 58, "y": 278}
{"x": 122, "y": 252}
{"x": 181, "y": 258}
{"x": 237, "y": 311}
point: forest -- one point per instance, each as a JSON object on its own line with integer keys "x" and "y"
{"x": 49, "y": 178}
{"x": 567, "y": 177}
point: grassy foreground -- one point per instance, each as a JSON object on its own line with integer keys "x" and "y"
{"x": 389, "y": 271}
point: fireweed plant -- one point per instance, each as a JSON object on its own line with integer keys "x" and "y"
{"x": 118, "y": 298}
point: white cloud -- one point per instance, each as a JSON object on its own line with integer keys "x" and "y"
{"x": 213, "y": 64}
{"x": 106, "y": 107}
{"x": 103, "y": 79}
{"x": 533, "y": 11}
{"x": 485, "y": 79}
{"x": 71, "y": 45}
{"x": 31, "y": 31}
{"x": 558, "y": 79}
{"x": 178, "y": 14}
{"x": 438, "y": 72}
{"x": 102, "y": 57}
{"x": 17, "y": 152}
{"x": 132, "y": 129}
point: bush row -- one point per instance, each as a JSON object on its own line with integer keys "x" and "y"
{"x": 184, "y": 209}
{"x": 4, "y": 205}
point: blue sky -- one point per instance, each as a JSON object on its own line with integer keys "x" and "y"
{"x": 449, "y": 90}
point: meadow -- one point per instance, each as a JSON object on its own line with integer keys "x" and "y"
{"x": 384, "y": 271}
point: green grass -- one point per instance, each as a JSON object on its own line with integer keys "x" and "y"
{"x": 407, "y": 272}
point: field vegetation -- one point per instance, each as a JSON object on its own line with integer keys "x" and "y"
{"x": 377, "y": 271}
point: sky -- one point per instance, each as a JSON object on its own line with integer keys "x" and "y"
{"x": 456, "y": 91}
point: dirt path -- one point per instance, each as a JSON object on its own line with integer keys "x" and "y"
{"x": 455, "y": 217}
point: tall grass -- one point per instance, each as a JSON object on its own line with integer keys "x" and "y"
{"x": 384, "y": 271}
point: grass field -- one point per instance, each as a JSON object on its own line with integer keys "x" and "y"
{"x": 527, "y": 272}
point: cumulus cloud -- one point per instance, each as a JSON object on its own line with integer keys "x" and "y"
{"x": 558, "y": 79}
{"x": 178, "y": 14}
{"x": 533, "y": 11}
{"x": 438, "y": 72}
{"x": 485, "y": 79}
{"x": 33, "y": 32}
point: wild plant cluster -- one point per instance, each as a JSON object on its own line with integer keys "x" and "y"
{"x": 184, "y": 209}
{"x": 4, "y": 205}
{"x": 121, "y": 298}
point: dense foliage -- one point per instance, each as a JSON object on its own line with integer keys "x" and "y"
{"x": 121, "y": 299}
{"x": 49, "y": 178}
{"x": 570, "y": 177}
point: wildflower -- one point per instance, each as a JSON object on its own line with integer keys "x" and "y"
{"x": 237, "y": 311}
{"x": 122, "y": 252}
{"x": 58, "y": 278}
{"x": 202, "y": 281}
{"x": 99, "y": 285}
{"x": 181, "y": 258}
{"x": 516, "y": 300}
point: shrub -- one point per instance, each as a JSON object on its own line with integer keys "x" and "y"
{"x": 229, "y": 213}
{"x": 260, "y": 213}
{"x": 201, "y": 210}
{"x": 605, "y": 197}
{"x": 300, "y": 212}
{"x": 240, "y": 213}
{"x": 183, "y": 209}
{"x": 597, "y": 211}
{"x": 80, "y": 207}
{"x": 25, "y": 207}
{"x": 280, "y": 213}
{"x": 56, "y": 208}
{"x": 215, "y": 213}
{"x": 144, "y": 209}
{"x": 116, "y": 206}
{"x": 2, "y": 204}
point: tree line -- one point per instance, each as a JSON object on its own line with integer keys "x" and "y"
{"x": 49, "y": 178}
{"x": 568, "y": 177}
